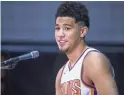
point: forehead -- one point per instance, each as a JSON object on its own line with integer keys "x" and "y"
{"x": 65, "y": 20}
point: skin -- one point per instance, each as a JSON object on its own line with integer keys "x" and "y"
{"x": 97, "y": 69}
{"x": 67, "y": 30}
{"x": 69, "y": 37}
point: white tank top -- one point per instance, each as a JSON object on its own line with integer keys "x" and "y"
{"x": 71, "y": 81}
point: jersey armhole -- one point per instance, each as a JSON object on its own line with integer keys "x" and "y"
{"x": 82, "y": 81}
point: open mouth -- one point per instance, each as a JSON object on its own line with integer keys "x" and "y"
{"x": 62, "y": 42}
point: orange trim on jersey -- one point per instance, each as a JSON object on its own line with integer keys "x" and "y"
{"x": 82, "y": 81}
{"x": 69, "y": 66}
{"x": 92, "y": 91}
{"x": 86, "y": 85}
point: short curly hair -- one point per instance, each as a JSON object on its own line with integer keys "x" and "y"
{"x": 76, "y": 10}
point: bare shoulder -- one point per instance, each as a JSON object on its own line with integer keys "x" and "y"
{"x": 97, "y": 60}
{"x": 60, "y": 73}
{"x": 98, "y": 70}
{"x": 58, "y": 81}
{"x": 96, "y": 63}
{"x": 58, "y": 77}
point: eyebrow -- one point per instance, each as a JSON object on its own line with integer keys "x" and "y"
{"x": 63, "y": 24}
{"x": 56, "y": 25}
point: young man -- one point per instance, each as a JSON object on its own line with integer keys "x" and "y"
{"x": 88, "y": 71}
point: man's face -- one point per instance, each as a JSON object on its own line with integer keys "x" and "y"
{"x": 67, "y": 33}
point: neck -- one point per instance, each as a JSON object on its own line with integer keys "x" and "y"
{"x": 76, "y": 53}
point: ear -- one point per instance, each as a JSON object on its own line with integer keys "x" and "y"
{"x": 83, "y": 31}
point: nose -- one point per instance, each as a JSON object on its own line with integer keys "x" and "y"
{"x": 61, "y": 33}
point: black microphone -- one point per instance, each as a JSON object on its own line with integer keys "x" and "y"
{"x": 31, "y": 55}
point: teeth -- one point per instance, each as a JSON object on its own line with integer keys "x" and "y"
{"x": 61, "y": 41}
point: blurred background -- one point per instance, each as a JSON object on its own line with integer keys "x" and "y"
{"x": 29, "y": 25}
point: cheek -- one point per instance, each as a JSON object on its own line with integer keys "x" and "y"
{"x": 73, "y": 36}
{"x": 74, "y": 39}
{"x": 55, "y": 37}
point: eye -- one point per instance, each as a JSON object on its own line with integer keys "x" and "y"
{"x": 57, "y": 28}
{"x": 67, "y": 28}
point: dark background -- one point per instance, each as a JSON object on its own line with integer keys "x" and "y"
{"x": 28, "y": 26}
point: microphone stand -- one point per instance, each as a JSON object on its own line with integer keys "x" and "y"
{"x": 10, "y": 66}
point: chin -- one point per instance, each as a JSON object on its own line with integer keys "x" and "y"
{"x": 63, "y": 50}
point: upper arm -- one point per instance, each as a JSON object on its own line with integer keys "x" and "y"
{"x": 99, "y": 72}
{"x": 58, "y": 81}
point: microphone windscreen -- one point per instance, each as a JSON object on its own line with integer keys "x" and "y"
{"x": 35, "y": 54}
